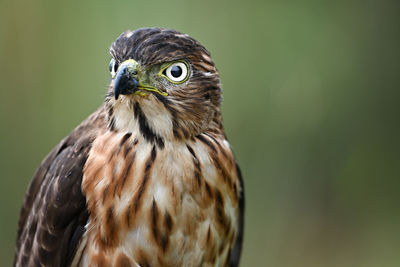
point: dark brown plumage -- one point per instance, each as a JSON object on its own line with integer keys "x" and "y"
{"x": 149, "y": 179}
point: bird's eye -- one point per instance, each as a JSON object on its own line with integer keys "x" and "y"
{"x": 113, "y": 67}
{"x": 177, "y": 72}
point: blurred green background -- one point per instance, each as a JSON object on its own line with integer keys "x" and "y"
{"x": 311, "y": 108}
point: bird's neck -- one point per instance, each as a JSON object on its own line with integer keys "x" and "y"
{"x": 156, "y": 122}
{"x": 147, "y": 119}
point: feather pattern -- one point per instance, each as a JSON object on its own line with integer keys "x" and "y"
{"x": 146, "y": 180}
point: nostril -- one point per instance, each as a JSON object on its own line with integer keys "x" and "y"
{"x": 133, "y": 83}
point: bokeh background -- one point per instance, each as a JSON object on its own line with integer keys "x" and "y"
{"x": 311, "y": 108}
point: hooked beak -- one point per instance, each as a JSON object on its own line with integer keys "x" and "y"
{"x": 126, "y": 82}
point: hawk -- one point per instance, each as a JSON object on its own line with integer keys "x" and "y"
{"x": 149, "y": 179}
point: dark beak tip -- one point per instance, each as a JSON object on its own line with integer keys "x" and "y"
{"x": 125, "y": 83}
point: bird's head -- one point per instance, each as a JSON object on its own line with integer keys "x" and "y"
{"x": 164, "y": 84}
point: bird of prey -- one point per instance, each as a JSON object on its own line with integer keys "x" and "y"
{"x": 149, "y": 179}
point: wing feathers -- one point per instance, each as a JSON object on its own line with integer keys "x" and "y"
{"x": 54, "y": 212}
{"x": 236, "y": 251}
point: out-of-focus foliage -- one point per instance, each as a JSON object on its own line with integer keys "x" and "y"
{"x": 311, "y": 108}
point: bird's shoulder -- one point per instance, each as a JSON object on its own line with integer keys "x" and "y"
{"x": 54, "y": 211}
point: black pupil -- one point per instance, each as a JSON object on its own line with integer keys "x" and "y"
{"x": 113, "y": 66}
{"x": 176, "y": 71}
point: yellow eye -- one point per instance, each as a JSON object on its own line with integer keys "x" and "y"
{"x": 177, "y": 72}
{"x": 113, "y": 67}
